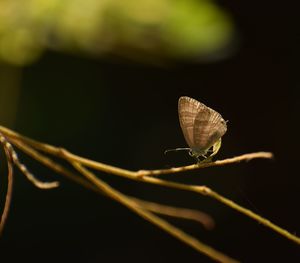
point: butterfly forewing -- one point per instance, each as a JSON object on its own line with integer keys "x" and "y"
{"x": 188, "y": 109}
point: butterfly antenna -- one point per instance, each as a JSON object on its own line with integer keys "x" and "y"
{"x": 177, "y": 149}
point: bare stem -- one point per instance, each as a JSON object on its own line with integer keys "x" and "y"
{"x": 116, "y": 195}
{"x": 243, "y": 157}
{"x": 191, "y": 214}
{"x": 183, "y": 213}
{"x": 8, "y": 195}
{"x": 254, "y": 216}
{"x": 145, "y": 175}
{"x": 59, "y": 152}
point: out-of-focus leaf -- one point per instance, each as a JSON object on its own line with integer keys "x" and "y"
{"x": 142, "y": 28}
{"x": 197, "y": 28}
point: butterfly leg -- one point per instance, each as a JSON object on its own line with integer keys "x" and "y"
{"x": 207, "y": 159}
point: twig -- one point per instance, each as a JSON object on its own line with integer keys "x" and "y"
{"x": 60, "y": 152}
{"x": 116, "y": 195}
{"x": 143, "y": 175}
{"x": 9, "y": 190}
{"x": 244, "y": 157}
{"x": 252, "y": 215}
{"x": 15, "y": 159}
{"x": 182, "y": 213}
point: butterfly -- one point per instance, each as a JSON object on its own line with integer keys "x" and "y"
{"x": 202, "y": 128}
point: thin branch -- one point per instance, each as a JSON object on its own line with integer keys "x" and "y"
{"x": 203, "y": 190}
{"x": 56, "y": 151}
{"x": 52, "y": 164}
{"x": 116, "y": 195}
{"x": 60, "y": 152}
{"x": 9, "y": 190}
{"x": 140, "y": 175}
{"x": 244, "y": 157}
{"x": 182, "y": 213}
{"x": 251, "y": 214}
{"x": 15, "y": 159}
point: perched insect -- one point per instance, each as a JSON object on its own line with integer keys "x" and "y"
{"x": 202, "y": 128}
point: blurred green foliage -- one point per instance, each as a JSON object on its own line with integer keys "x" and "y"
{"x": 181, "y": 29}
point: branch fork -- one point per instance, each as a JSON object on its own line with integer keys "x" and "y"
{"x": 42, "y": 153}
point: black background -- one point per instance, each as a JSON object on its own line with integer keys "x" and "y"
{"x": 125, "y": 114}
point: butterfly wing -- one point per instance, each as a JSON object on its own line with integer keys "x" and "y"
{"x": 188, "y": 109}
{"x": 209, "y": 127}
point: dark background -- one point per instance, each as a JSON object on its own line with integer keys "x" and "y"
{"x": 125, "y": 114}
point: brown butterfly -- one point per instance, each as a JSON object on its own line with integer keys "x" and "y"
{"x": 202, "y": 127}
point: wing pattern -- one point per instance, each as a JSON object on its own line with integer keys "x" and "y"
{"x": 201, "y": 125}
